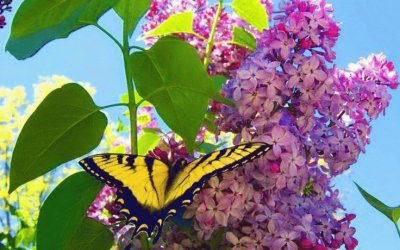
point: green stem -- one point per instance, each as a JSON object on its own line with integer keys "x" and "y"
{"x": 132, "y": 107}
{"x": 198, "y": 35}
{"x": 115, "y": 105}
{"x": 136, "y": 47}
{"x": 210, "y": 42}
{"x": 109, "y": 35}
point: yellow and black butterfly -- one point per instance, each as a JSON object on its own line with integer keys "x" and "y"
{"x": 149, "y": 191}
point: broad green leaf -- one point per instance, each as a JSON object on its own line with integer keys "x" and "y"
{"x": 91, "y": 234}
{"x": 393, "y": 213}
{"x": 38, "y": 22}
{"x": 172, "y": 77}
{"x": 253, "y": 12}
{"x": 25, "y": 237}
{"x": 131, "y": 11}
{"x": 62, "y": 215}
{"x": 147, "y": 142}
{"x": 176, "y": 23}
{"x": 66, "y": 125}
{"x": 243, "y": 38}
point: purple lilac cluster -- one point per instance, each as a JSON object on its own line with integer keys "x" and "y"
{"x": 5, "y": 5}
{"x": 318, "y": 120}
{"x": 225, "y": 56}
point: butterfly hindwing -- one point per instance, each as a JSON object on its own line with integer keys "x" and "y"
{"x": 191, "y": 178}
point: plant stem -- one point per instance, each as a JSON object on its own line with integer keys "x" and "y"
{"x": 115, "y": 105}
{"x": 136, "y": 47}
{"x": 132, "y": 107}
{"x": 210, "y": 42}
{"x": 109, "y": 35}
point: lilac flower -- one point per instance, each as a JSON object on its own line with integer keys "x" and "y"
{"x": 217, "y": 211}
{"x": 238, "y": 243}
{"x": 279, "y": 138}
{"x": 286, "y": 240}
{"x": 284, "y": 44}
{"x": 346, "y": 235}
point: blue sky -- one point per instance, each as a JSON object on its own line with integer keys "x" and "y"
{"x": 368, "y": 26}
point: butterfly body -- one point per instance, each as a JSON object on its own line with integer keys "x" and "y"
{"x": 149, "y": 191}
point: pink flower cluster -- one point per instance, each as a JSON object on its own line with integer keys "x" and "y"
{"x": 287, "y": 94}
{"x": 103, "y": 208}
{"x": 318, "y": 120}
{"x": 225, "y": 56}
{"x": 316, "y": 117}
{"x": 5, "y": 5}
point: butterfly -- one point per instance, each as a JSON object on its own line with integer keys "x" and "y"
{"x": 149, "y": 191}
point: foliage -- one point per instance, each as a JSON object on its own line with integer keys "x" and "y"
{"x": 20, "y": 210}
{"x": 284, "y": 91}
{"x": 392, "y": 213}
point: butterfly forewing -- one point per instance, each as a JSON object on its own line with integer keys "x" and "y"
{"x": 144, "y": 177}
{"x": 191, "y": 178}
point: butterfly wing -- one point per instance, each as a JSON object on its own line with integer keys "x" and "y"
{"x": 191, "y": 178}
{"x": 141, "y": 183}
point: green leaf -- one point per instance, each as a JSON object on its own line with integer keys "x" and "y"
{"x": 172, "y": 77}
{"x": 206, "y": 147}
{"x": 131, "y": 11}
{"x": 152, "y": 130}
{"x": 66, "y": 125}
{"x": 216, "y": 239}
{"x": 393, "y": 213}
{"x": 3, "y": 236}
{"x": 210, "y": 124}
{"x": 91, "y": 234}
{"x": 147, "y": 142}
{"x": 219, "y": 82}
{"x": 38, "y": 22}
{"x": 121, "y": 127}
{"x": 253, "y": 12}
{"x": 25, "y": 237}
{"x": 176, "y": 23}
{"x": 243, "y": 38}
{"x": 62, "y": 215}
